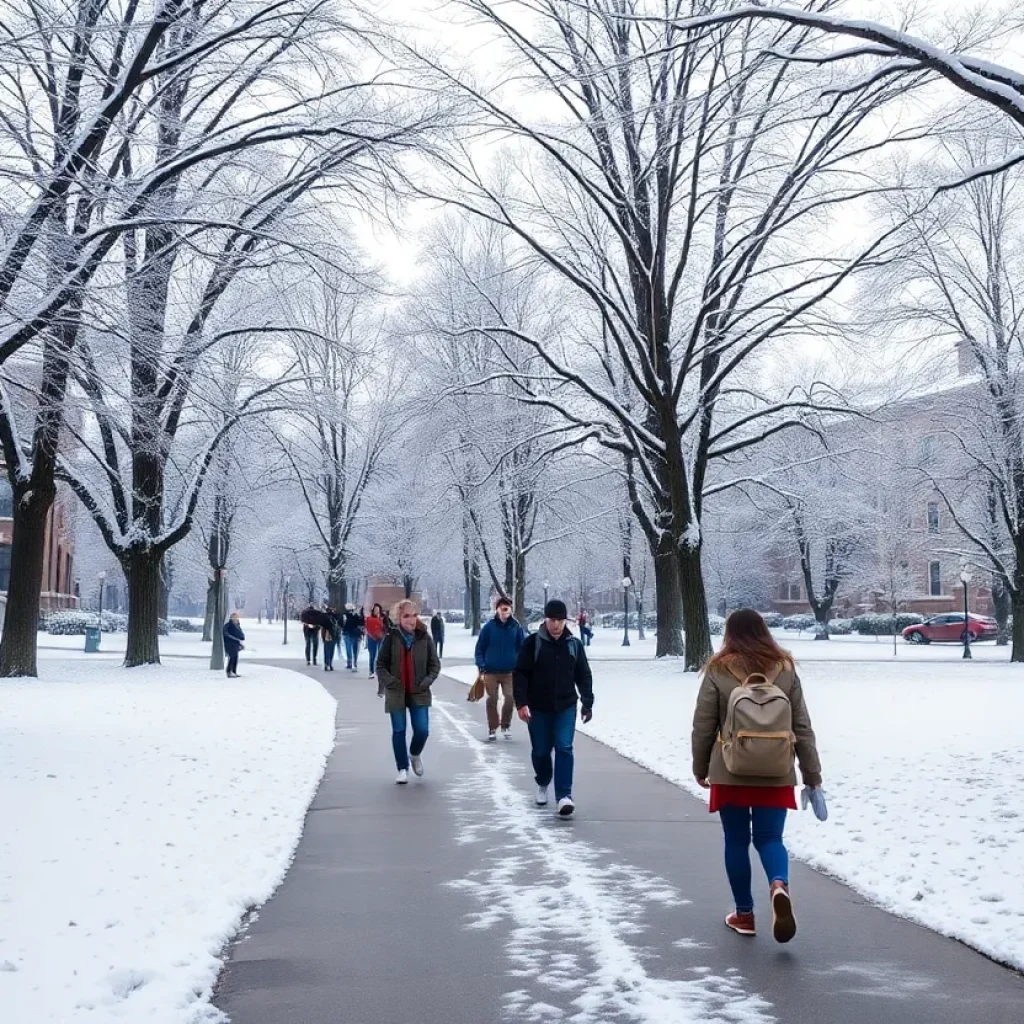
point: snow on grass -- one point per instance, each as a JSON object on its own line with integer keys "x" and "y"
{"x": 576, "y": 914}
{"x": 144, "y": 812}
{"x": 923, "y": 761}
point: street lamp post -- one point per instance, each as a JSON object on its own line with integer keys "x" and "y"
{"x": 965, "y": 579}
{"x": 287, "y": 580}
{"x": 546, "y": 585}
{"x": 103, "y": 580}
{"x": 626, "y": 584}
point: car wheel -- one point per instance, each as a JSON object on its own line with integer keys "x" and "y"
{"x": 917, "y": 638}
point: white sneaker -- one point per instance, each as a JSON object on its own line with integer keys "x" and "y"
{"x": 566, "y": 807}
{"x": 403, "y": 777}
{"x": 417, "y": 764}
{"x": 542, "y": 796}
{"x": 492, "y": 736}
{"x": 506, "y": 732}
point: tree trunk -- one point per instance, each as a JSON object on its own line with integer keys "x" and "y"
{"x": 821, "y": 611}
{"x": 640, "y": 634}
{"x": 519, "y": 597}
{"x": 474, "y": 598}
{"x": 1017, "y": 650}
{"x": 142, "y": 567}
{"x": 165, "y": 593}
{"x": 668, "y": 603}
{"x": 211, "y": 607}
{"x": 696, "y": 629}
{"x": 21, "y": 624}
{"x": 1001, "y": 604}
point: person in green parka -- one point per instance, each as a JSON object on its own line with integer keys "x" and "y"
{"x": 407, "y": 665}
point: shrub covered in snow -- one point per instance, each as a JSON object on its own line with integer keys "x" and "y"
{"x": 799, "y": 622}
{"x": 454, "y": 615}
{"x": 74, "y": 622}
{"x": 883, "y": 624}
{"x": 717, "y": 624}
{"x": 840, "y": 627}
{"x": 185, "y": 626}
{"x": 773, "y": 620}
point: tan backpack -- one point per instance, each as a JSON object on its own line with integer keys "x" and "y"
{"x": 757, "y": 736}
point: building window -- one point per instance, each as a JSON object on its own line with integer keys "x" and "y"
{"x": 933, "y": 517}
{"x": 783, "y": 591}
{"x": 6, "y": 498}
{"x": 5, "y": 567}
{"x": 794, "y": 592}
{"x": 934, "y": 579}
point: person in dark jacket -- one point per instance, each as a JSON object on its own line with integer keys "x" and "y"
{"x": 311, "y": 626}
{"x": 437, "y": 632}
{"x": 497, "y": 648}
{"x": 352, "y": 628}
{"x": 331, "y": 636}
{"x": 552, "y": 674}
{"x": 233, "y": 643}
{"x": 407, "y": 666}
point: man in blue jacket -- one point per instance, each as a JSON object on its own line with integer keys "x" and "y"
{"x": 497, "y": 648}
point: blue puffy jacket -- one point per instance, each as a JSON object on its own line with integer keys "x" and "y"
{"x": 497, "y": 646}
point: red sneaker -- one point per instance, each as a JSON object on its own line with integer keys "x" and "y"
{"x": 742, "y": 924}
{"x": 783, "y": 919}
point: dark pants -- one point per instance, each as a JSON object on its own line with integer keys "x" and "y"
{"x": 312, "y": 645}
{"x": 232, "y": 663}
{"x": 553, "y": 730}
{"x": 352, "y": 650}
{"x": 329, "y": 646}
{"x": 372, "y": 647}
{"x": 420, "y": 731}
{"x": 764, "y": 826}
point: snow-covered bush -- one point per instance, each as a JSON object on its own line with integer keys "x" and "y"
{"x": 185, "y": 626}
{"x": 799, "y": 622}
{"x": 840, "y": 627}
{"x": 717, "y": 624}
{"x": 773, "y": 620}
{"x": 882, "y": 624}
{"x": 454, "y": 615}
{"x": 74, "y": 622}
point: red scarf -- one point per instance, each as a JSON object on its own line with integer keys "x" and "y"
{"x": 408, "y": 672}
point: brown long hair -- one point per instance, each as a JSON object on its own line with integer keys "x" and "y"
{"x": 749, "y": 645}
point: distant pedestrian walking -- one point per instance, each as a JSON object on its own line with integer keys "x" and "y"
{"x": 497, "y": 648}
{"x": 583, "y": 622}
{"x": 352, "y": 629}
{"x": 551, "y": 675}
{"x": 437, "y": 632}
{"x": 378, "y": 625}
{"x": 312, "y": 623}
{"x": 234, "y": 641}
{"x": 749, "y": 725}
{"x": 407, "y": 666}
{"x": 331, "y": 632}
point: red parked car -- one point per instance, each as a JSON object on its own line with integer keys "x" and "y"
{"x": 949, "y": 628}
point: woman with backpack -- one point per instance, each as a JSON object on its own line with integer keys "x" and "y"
{"x": 749, "y": 725}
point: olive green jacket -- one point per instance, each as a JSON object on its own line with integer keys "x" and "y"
{"x": 709, "y": 717}
{"x": 426, "y": 668}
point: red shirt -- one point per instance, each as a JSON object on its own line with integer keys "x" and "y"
{"x": 752, "y": 796}
{"x": 374, "y": 627}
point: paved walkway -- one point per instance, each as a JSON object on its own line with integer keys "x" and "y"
{"x": 455, "y": 901}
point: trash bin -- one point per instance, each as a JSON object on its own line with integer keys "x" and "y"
{"x": 92, "y": 639}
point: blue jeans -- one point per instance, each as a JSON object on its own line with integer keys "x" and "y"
{"x": 351, "y": 650}
{"x": 764, "y": 825}
{"x": 329, "y": 646}
{"x": 372, "y": 647}
{"x": 553, "y": 730}
{"x": 420, "y": 731}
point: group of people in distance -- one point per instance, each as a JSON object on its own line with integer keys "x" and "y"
{"x": 351, "y": 627}
{"x": 750, "y": 727}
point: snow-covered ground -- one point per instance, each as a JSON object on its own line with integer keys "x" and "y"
{"x": 143, "y": 813}
{"x": 923, "y": 762}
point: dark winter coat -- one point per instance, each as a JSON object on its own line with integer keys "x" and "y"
{"x": 437, "y": 628}
{"x": 353, "y": 624}
{"x": 550, "y": 673}
{"x": 498, "y": 645}
{"x": 233, "y": 637}
{"x": 426, "y": 668}
{"x": 332, "y": 629}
